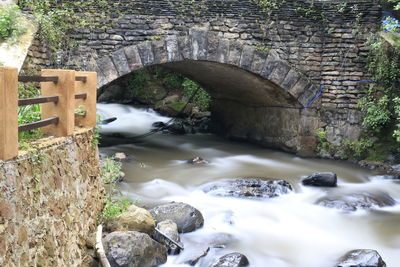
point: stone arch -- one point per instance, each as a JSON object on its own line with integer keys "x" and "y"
{"x": 205, "y": 46}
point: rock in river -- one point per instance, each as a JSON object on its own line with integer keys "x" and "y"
{"x": 169, "y": 229}
{"x": 197, "y": 161}
{"x": 357, "y": 200}
{"x": 134, "y": 249}
{"x": 248, "y": 188}
{"x": 232, "y": 260}
{"x": 327, "y": 179}
{"x": 186, "y": 217}
{"x": 361, "y": 258}
{"x": 134, "y": 219}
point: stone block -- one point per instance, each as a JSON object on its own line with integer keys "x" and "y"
{"x": 246, "y": 59}
{"x": 120, "y": 62}
{"x": 223, "y": 51}
{"x": 258, "y": 63}
{"x": 213, "y": 43}
{"x": 185, "y": 48}
{"x": 108, "y": 69}
{"x": 133, "y": 57}
{"x": 290, "y": 80}
{"x": 279, "y": 73}
{"x": 199, "y": 42}
{"x": 160, "y": 52}
{"x": 146, "y": 53}
{"x": 172, "y": 47}
{"x": 299, "y": 87}
{"x": 235, "y": 51}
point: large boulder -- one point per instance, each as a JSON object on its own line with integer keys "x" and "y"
{"x": 232, "y": 260}
{"x": 361, "y": 258}
{"x": 134, "y": 219}
{"x": 134, "y": 249}
{"x": 326, "y": 179}
{"x": 186, "y": 217}
{"x": 248, "y": 188}
{"x": 357, "y": 200}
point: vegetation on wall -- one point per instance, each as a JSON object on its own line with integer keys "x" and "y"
{"x": 10, "y": 29}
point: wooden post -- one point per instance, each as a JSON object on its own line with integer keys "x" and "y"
{"x": 64, "y": 108}
{"x": 89, "y": 88}
{"x": 8, "y": 113}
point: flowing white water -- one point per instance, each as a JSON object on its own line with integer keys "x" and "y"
{"x": 130, "y": 121}
{"x": 287, "y": 231}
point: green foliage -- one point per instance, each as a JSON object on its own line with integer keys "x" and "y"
{"x": 268, "y": 6}
{"x": 381, "y": 103}
{"x": 28, "y": 114}
{"x": 177, "y": 106}
{"x": 200, "y": 97}
{"x": 9, "y": 26}
{"x": 262, "y": 47}
{"x": 110, "y": 170}
{"x": 173, "y": 80}
{"x": 114, "y": 207}
{"x": 57, "y": 19}
{"x": 323, "y": 145}
{"x": 396, "y": 4}
{"x": 360, "y": 149}
{"x": 376, "y": 113}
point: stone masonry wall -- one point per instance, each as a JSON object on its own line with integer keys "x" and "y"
{"x": 49, "y": 203}
{"x": 325, "y": 40}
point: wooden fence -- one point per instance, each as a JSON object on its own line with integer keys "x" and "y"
{"x": 62, "y": 93}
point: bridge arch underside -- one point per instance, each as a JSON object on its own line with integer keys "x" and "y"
{"x": 253, "y": 92}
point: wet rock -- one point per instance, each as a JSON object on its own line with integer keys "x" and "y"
{"x": 186, "y": 217}
{"x": 177, "y": 127}
{"x": 326, "y": 179}
{"x": 357, "y": 200}
{"x": 361, "y": 258}
{"x": 193, "y": 255}
{"x": 198, "y": 161}
{"x": 232, "y": 260}
{"x": 134, "y": 219}
{"x": 120, "y": 156}
{"x": 169, "y": 229}
{"x": 108, "y": 121}
{"x": 134, "y": 249}
{"x": 248, "y": 188}
{"x": 158, "y": 125}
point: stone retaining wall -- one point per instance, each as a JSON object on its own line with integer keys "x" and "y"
{"x": 49, "y": 203}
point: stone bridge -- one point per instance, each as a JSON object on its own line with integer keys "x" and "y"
{"x": 263, "y": 62}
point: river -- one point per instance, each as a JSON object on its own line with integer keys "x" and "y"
{"x": 287, "y": 231}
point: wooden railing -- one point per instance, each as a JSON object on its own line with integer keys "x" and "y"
{"x": 63, "y": 91}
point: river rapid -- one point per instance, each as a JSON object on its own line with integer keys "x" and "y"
{"x": 286, "y": 231}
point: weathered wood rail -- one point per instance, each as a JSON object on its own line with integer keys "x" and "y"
{"x": 63, "y": 91}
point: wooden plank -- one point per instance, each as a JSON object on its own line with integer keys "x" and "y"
{"x": 81, "y": 96}
{"x": 37, "y": 100}
{"x": 37, "y": 124}
{"x": 90, "y": 89}
{"x": 81, "y": 79}
{"x": 64, "y": 108}
{"x": 26, "y": 79}
{"x": 8, "y": 113}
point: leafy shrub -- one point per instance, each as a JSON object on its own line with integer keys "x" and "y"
{"x": 114, "y": 207}
{"x": 28, "y": 114}
{"x": 200, "y": 97}
{"x": 9, "y": 26}
{"x": 110, "y": 170}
